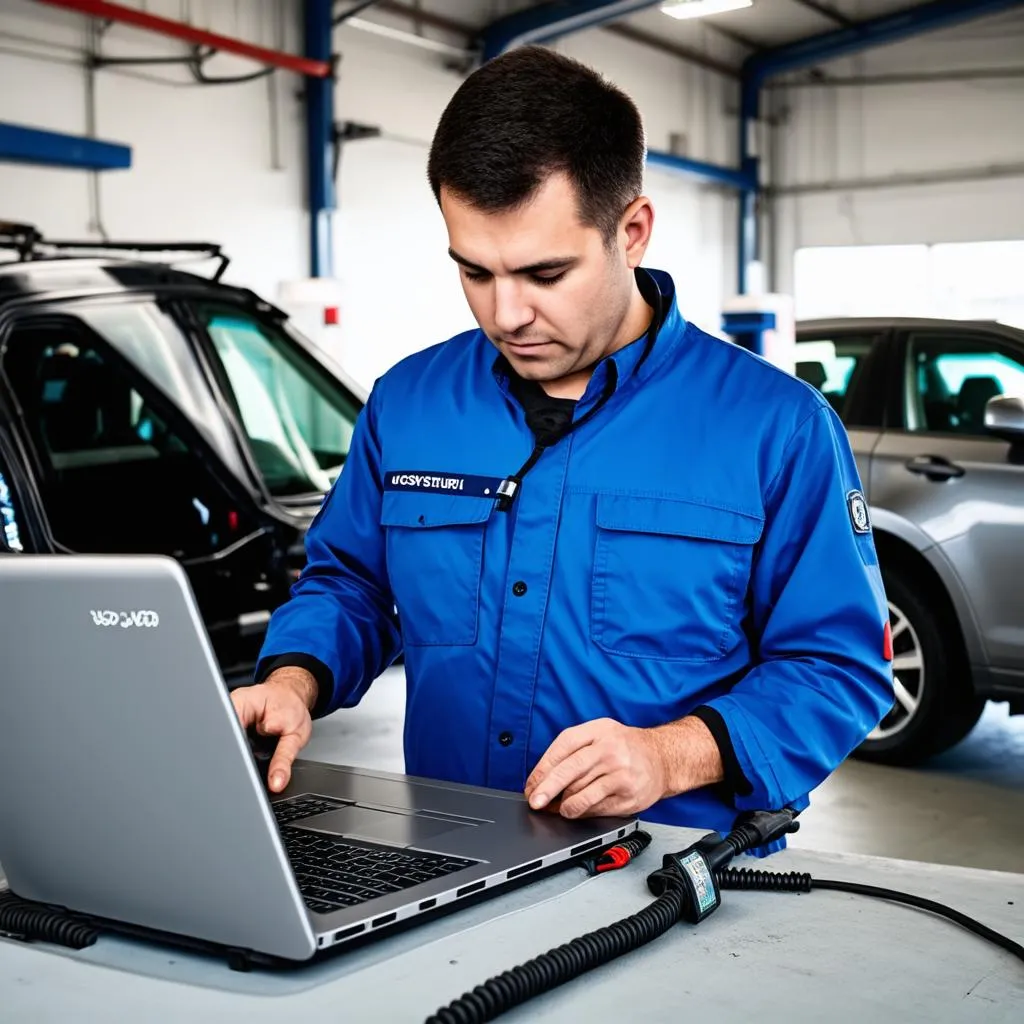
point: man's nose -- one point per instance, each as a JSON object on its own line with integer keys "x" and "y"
{"x": 511, "y": 311}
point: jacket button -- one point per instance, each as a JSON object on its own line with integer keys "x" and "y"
{"x": 505, "y": 739}
{"x": 519, "y": 588}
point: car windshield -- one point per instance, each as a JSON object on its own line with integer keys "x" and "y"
{"x": 298, "y": 418}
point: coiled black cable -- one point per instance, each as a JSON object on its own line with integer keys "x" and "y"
{"x": 34, "y": 921}
{"x": 557, "y": 966}
{"x": 770, "y": 881}
{"x": 752, "y": 880}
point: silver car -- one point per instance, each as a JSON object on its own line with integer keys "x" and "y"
{"x": 935, "y": 413}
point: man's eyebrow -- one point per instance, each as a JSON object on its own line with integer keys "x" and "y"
{"x": 557, "y": 263}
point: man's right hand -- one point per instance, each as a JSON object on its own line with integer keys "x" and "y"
{"x": 279, "y": 706}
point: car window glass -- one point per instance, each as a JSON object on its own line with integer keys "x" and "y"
{"x": 152, "y": 341}
{"x": 298, "y": 419}
{"x": 950, "y": 380}
{"x": 10, "y": 525}
{"x": 116, "y": 474}
{"x": 829, "y": 364}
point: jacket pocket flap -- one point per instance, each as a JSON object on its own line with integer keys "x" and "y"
{"x": 677, "y": 518}
{"x": 424, "y": 510}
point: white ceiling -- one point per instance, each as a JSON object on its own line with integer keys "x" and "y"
{"x": 726, "y": 38}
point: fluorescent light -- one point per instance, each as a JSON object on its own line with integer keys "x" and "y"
{"x": 701, "y": 8}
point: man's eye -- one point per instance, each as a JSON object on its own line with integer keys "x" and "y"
{"x": 475, "y": 275}
{"x": 549, "y": 280}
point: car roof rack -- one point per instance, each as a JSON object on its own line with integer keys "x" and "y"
{"x": 28, "y": 242}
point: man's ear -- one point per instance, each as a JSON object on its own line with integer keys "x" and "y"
{"x": 635, "y": 229}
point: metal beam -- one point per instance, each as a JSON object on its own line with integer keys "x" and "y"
{"x": 913, "y": 179}
{"x": 21, "y": 144}
{"x": 319, "y": 140}
{"x": 423, "y": 17}
{"x": 683, "y": 52}
{"x": 759, "y": 67}
{"x": 900, "y": 78}
{"x": 190, "y": 34}
{"x": 711, "y": 173}
{"x": 891, "y": 28}
{"x": 552, "y": 20}
{"x": 836, "y": 17}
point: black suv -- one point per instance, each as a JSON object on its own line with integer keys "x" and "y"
{"x": 148, "y": 410}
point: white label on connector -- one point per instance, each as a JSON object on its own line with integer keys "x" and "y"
{"x": 696, "y": 867}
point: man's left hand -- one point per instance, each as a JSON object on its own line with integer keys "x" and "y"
{"x": 600, "y": 768}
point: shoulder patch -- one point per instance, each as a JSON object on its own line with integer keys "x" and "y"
{"x": 858, "y": 508}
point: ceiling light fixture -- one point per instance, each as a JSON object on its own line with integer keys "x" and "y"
{"x": 702, "y": 8}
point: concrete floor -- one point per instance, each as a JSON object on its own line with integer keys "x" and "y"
{"x": 965, "y": 807}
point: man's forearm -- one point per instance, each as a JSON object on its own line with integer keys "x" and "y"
{"x": 689, "y": 754}
{"x": 301, "y": 680}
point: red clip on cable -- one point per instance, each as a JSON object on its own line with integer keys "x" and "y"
{"x": 616, "y": 857}
{"x": 619, "y": 855}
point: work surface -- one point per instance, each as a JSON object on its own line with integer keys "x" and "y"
{"x": 823, "y": 956}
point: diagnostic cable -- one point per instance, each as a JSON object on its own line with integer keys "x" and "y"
{"x": 688, "y": 887}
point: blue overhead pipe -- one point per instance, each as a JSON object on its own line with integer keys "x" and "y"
{"x": 319, "y": 140}
{"x": 712, "y": 173}
{"x": 890, "y": 28}
{"x": 21, "y": 144}
{"x": 550, "y": 21}
{"x": 759, "y": 67}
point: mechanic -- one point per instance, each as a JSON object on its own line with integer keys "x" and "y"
{"x": 629, "y": 564}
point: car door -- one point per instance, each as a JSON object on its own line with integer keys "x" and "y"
{"x": 846, "y": 364}
{"x": 121, "y": 469}
{"x": 939, "y": 468}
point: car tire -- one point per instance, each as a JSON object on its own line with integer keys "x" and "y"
{"x": 935, "y": 705}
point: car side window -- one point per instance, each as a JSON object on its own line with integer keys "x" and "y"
{"x": 116, "y": 476}
{"x": 831, "y": 363}
{"x": 950, "y": 379}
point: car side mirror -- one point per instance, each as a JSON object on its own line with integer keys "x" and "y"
{"x": 1004, "y": 417}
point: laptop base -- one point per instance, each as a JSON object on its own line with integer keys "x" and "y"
{"x": 60, "y": 926}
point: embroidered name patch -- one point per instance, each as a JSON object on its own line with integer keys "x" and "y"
{"x": 443, "y": 483}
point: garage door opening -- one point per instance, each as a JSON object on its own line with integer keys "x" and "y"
{"x": 959, "y": 281}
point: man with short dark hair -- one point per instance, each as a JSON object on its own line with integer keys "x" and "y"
{"x": 620, "y": 555}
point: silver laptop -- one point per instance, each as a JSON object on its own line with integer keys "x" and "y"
{"x": 129, "y": 791}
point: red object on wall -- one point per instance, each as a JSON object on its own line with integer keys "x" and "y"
{"x": 190, "y": 34}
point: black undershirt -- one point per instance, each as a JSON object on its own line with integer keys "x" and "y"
{"x": 547, "y": 416}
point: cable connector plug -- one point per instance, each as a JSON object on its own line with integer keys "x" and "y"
{"x": 691, "y": 871}
{"x": 759, "y": 828}
{"x": 618, "y": 856}
{"x": 696, "y": 869}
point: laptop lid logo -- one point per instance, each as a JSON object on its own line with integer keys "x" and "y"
{"x": 126, "y": 620}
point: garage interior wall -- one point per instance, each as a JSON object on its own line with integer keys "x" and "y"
{"x": 226, "y": 163}
{"x": 957, "y": 146}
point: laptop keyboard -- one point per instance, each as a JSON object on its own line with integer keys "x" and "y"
{"x": 334, "y": 873}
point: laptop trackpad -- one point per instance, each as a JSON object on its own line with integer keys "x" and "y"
{"x": 382, "y": 826}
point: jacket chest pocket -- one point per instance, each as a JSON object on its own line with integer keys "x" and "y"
{"x": 435, "y": 551}
{"x": 670, "y": 577}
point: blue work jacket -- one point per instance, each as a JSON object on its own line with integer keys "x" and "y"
{"x": 699, "y": 544}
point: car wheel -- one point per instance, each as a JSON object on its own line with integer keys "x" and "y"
{"x": 935, "y": 705}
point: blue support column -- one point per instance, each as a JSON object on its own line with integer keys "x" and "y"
{"x": 549, "y": 21}
{"x": 758, "y": 68}
{"x": 748, "y": 329}
{"x": 21, "y": 144}
{"x": 319, "y": 141}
